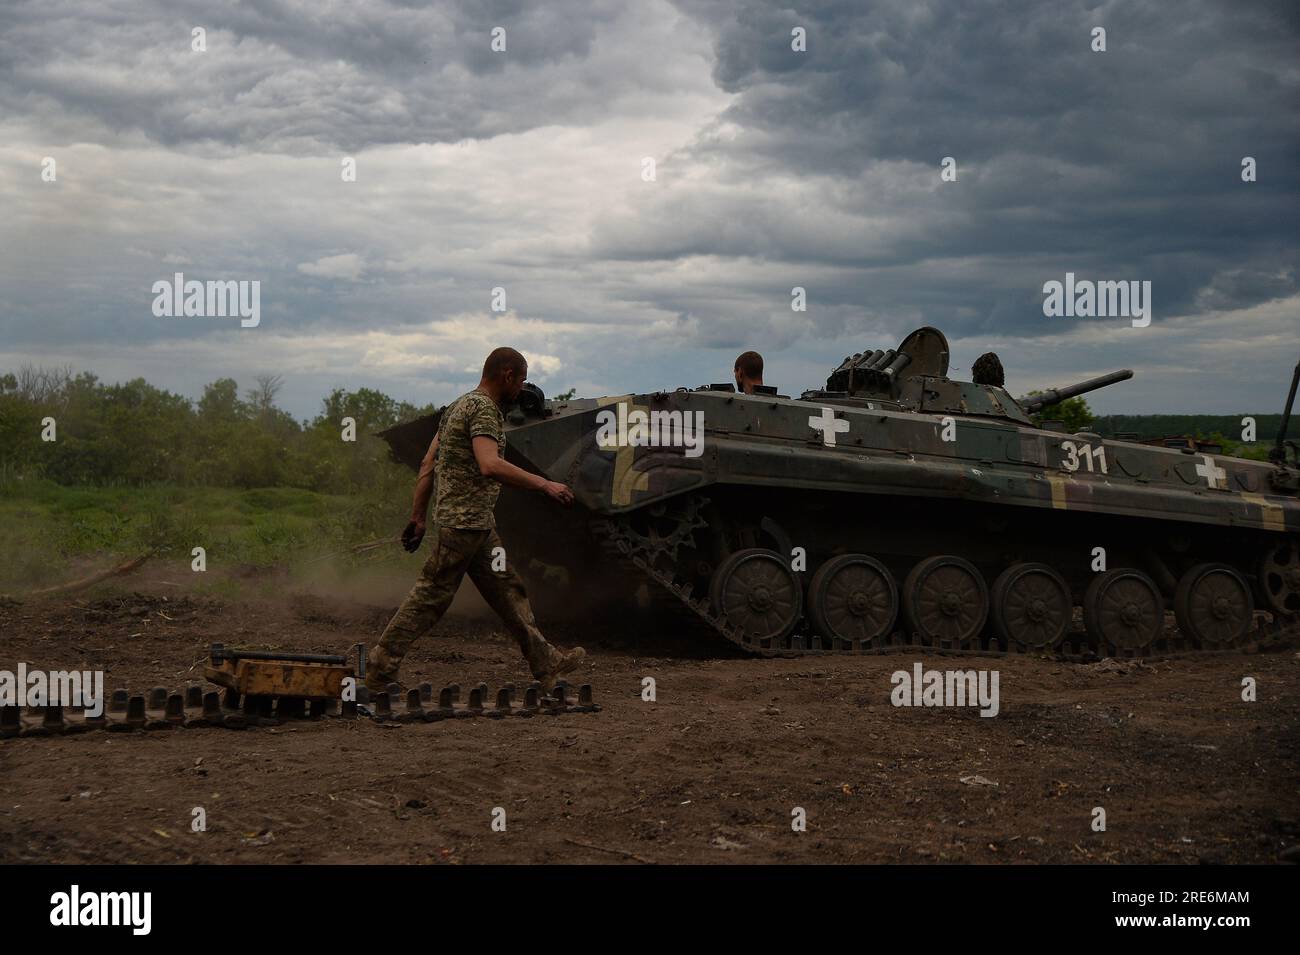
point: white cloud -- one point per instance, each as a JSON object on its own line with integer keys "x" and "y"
{"x": 348, "y": 266}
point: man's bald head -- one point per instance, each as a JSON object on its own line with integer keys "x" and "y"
{"x": 504, "y": 374}
{"x": 505, "y": 359}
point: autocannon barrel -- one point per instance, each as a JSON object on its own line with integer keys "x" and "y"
{"x": 1033, "y": 403}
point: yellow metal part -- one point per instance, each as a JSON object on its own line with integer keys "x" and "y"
{"x": 313, "y": 681}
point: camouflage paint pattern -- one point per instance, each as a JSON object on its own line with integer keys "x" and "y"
{"x": 893, "y": 446}
{"x": 769, "y": 441}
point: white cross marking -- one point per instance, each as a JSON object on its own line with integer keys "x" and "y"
{"x": 1212, "y": 474}
{"x": 828, "y": 425}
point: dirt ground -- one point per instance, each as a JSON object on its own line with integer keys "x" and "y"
{"x": 710, "y": 772}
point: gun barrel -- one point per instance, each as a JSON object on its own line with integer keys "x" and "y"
{"x": 1033, "y": 403}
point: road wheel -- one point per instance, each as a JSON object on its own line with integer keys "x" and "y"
{"x": 1279, "y": 578}
{"x": 1213, "y": 605}
{"x": 756, "y": 590}
{"x": 1032, "y": 606}
{"x": 1123, "y": 608}
{"x": 945, "y": 601}
{"x": 853, "y": 597}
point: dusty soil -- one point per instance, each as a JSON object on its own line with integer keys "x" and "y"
{"x": 711, "y": 772}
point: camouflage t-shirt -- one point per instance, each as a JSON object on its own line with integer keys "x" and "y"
{"x": 465, "y": 497}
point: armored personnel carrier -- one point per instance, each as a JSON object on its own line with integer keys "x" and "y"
{"x": 896, "y": 507}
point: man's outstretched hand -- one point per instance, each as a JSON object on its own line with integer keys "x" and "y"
{"x": 412, "y": 535}
{"x": 558, "y": 492}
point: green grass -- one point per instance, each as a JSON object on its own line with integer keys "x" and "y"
{"x": 47, "y": 529}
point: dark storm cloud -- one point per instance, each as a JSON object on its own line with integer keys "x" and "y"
{"x": 905, "y": 80}
{"x": 308, "y": 76}
{"x": 1122, "y": 164}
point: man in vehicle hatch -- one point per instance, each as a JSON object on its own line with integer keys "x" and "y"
{"x": 749, "y": 372}
{"x": 468, "y": 458}
{"x": 987, "y": 370}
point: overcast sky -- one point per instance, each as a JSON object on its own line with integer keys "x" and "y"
{"x": 523, "y": 169}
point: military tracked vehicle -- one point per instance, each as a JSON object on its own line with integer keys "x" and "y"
{"x": 896, "y": 507}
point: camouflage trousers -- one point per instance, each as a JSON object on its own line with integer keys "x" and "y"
{"x": 457, "y": 552}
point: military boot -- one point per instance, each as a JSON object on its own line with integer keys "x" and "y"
{"x": 381, "y": 670}
{"x": 552, "y": 663}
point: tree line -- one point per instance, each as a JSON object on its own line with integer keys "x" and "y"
{"x": 133, "y": 433}
{"x": 1197, "y": 425}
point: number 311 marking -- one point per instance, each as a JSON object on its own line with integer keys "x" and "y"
{"x": 1087, "y": 453}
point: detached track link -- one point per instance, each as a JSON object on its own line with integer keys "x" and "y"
{"x": 164, "y": 712}
{"x": 678, "y": 602}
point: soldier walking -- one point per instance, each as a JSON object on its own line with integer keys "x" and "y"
{"x": 468, "y": 457}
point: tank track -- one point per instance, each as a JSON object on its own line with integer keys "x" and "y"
{"x": 677, "y": 602}
{"x": 196, "y": 709}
